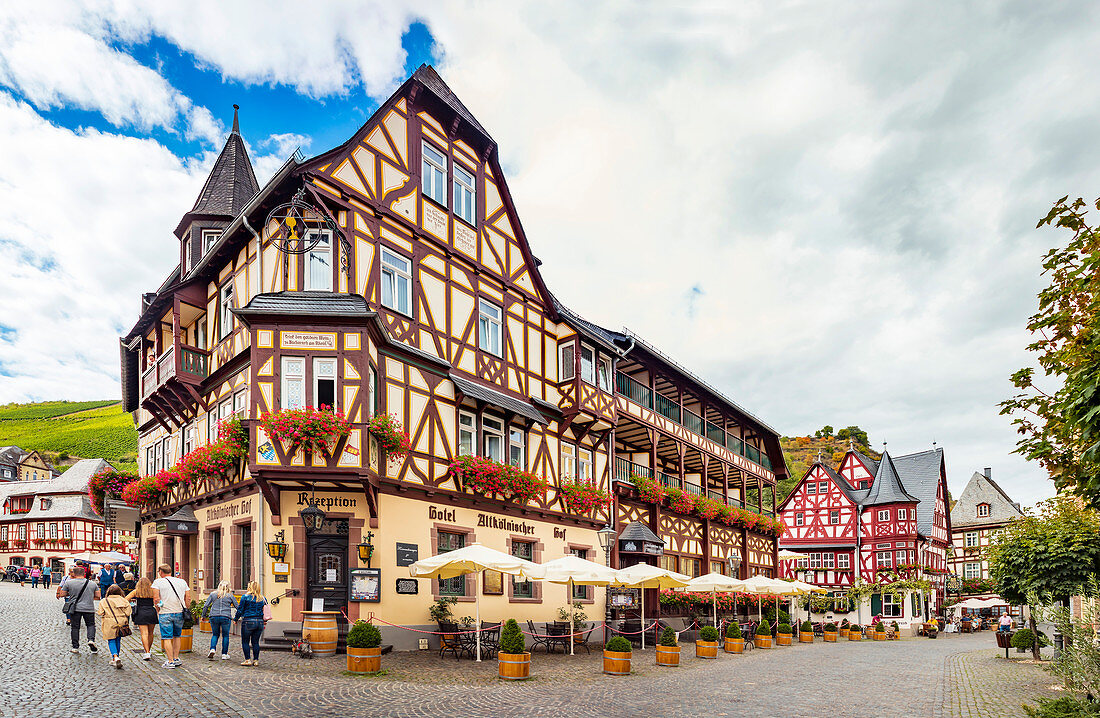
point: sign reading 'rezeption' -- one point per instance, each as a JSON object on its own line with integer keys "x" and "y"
{"x": 307, "y": 340}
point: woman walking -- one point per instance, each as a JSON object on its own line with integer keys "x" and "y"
{"x": 251, "y": 614}
{"x": 145, "y": 615}
{"x": 114, "y": 610}
{"x": 219, "y": 608}
{"x": 36, "y": 574}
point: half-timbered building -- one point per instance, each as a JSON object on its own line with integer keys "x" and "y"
{"x": 872, "y": 520}
{"x": 982, "y": 509}
{"x": 410, "y": 290}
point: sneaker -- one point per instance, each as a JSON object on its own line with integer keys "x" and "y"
{"x": 246, "y": 662}
{"x": 168, "y": 664}
{"x": 118, "y": 662}
{"x": 225, "y": 656}
{"x": 211, "y": 656}
{"x": 178, "y": 662}
{"x": 146, "y": 656}
{"x": 92, "y": 647}
{"x": 74, "y": 650}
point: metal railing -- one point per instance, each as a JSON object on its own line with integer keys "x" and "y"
{"x": 666, "y": 407}
{"x": 668, "y": 480}
{"x": 693, "y": 489}
{"x": 624, "y": 468}
{"x": 191, "y": 360}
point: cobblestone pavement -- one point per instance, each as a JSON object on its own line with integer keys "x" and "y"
{"x": 950, "y": 677}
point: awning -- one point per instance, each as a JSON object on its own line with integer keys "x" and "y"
{"x": 497, "y": 398}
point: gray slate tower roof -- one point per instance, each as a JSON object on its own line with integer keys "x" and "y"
{"x": 231, "y": 182}
{"x": 887, "y": 487}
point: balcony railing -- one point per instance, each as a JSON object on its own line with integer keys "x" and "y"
{"x": 693, "y": 489}
{"x": 181, "y": 361}
{"x": 624, "y": 468}
{"x": 639, "y": 393}
{"x": 668, "y": 480}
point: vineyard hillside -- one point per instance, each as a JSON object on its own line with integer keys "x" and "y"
{"x": 800, "y": 452}
{"x": 66, "y": 431}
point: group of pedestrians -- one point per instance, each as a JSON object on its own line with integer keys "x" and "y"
{"x": 35, "y": 573}
{"x": 158, "y": 604}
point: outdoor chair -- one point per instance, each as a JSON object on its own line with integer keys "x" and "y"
{"x": 631, "y": 631}
{"x": 557, "y": 634}
{"x": 748, "y": 632}
{"x": 490, "y": 639}
{"x": 537, "y": 638}
{"x": 581, "y": 639}
{"x": 450, "y": 640}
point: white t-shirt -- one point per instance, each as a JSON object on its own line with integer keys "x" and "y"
{"x": 173, "y": 602}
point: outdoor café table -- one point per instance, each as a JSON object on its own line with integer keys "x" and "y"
{"x": 557, "y": 634}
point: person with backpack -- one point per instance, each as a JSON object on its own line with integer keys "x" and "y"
{"x": 172, "y": 596}
{"x": 82, "y": 594}
{"x": 114, "y": 610}
{"x": 253, "y": 612}
{"x": 219, "y": 608}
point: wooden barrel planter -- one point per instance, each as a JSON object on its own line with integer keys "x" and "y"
{"x": 843, "y": 634}
{"x": 364, "y": 661}
{"x": 616, "y": 663}
{"x": 735, "y": 645}
{"x": 880, "y": 635}
{"x": 706, "y": 649}
{"x": 855, "y": 636}
{"x": 514, "y": 666}
{"x": 762, "y": 641}
{"x": 830, "y": 636}
{"x": 668, "y": 655}
{"x": 805, "y": 637}
{"x": 782, "y": 639}
{"x": 319, "y": 628}
{"x": 186, "y": 638}
{"x": 204, "y": 626}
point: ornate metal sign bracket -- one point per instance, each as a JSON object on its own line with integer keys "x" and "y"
{"x": 299, "y": 224}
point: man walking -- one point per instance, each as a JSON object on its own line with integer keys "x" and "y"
{"x": 106, "y": 578}
{"x": 172, "y": 596}
{"x": 82, "y": 592}
{"x": 47, "y": 574}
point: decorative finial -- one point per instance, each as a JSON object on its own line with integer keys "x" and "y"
{"x": 851, "y": 445}
{"x": 236, "y": 126}
{"x": 819, "y": 456}
{"x": 933, "y": 443}
{"x": 884, "y": 446}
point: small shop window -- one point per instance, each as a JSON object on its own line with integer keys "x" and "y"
{"x": 448, "y": 541}
{"x": 526, "y": 551}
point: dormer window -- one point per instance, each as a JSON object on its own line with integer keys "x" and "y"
{"x": 209, "y": 239}
{"x": 983, "y": 510}
{"x": 187, "y": 256}
{"x": 225, "y": 320}
{"x": 45, "y": 504}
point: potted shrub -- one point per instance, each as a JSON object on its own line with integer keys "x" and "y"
{"x": 706, "y": 646}
{"x": 668, "y": 652}
{"x": 616, "y": 657}
{"x": 735, "y": 642}
{"x": 895, "y": 632}
{"x": 364, "y": 649}
{"x": 855, "y": 633}
{"x": 190, "y": 617}
{"x": 844, "y": 624}
{"x": 441, "y": 612}
{"x": 1023, "y": 640}
{"x": 514, "y": 660}
{"x": 763, "y": 636}
{"x": 783, "y": 634}
{"x": 806, "y": 632}
{"x": 880, "y": 631}
{"x": 829, "y": 632}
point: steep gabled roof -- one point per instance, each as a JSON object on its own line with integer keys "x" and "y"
{"x": 856, "y": 496}
{"x": 231, "y": 182}
{"x": 867, "y": 461}
{"x": 428, "y": 77}
{"x": 887, "y": 487}
{"x": 983, "y": 490}
{"x": 921, "y": 475}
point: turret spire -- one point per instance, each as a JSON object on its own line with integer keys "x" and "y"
{"x": 236, "y": 125}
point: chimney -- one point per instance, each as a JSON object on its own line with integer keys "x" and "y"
{"x": 988, "y": 472}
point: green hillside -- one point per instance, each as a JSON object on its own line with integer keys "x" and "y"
{"x": 800, "y": 452}
{"x": 65, "y": 431}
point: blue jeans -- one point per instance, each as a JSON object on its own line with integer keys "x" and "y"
{"x": 219, "y": 626}
{"x": 114, "y": 645}
{"x": 252, "y": 629}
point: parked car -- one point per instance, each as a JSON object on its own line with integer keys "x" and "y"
{"x": 11, "y": 573}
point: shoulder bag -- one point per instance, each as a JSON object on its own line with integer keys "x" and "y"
{"x": 70, "y": 604}
{"x": 123, "y": 628}
{"x": 267, "y": 611}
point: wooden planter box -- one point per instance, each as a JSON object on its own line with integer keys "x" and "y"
{"x": 616, "y": 663}
{"x": 668, "y": 655}
{"x": 830, "y": 636}
{"x": 706, "y": 649}
{"x": 762, "y": 641}
{"x": 514, "y": 666}
{"x": 364, "y": 661}
{"x": 806, "y": 637}
{"x": 782, "y": 639}
{"x": 735, "y": 645}
{"x": 186, "y": 636}
{"x": 855, "y": 636}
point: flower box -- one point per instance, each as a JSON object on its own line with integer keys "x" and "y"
{"x": 387, "y": 429}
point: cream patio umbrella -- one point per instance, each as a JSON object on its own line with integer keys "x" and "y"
{"x": 785, "y": 554}
{"x": 576, "y": 571}
{"x": 764, "y": 586}
{"x": 715, "y": 582}
{"x": 804, "y": 588}
{"x": 644, "y": 576}
{"x": 475, "y": 558}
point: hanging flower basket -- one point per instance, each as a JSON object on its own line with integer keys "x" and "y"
{"x": 107, "y": 484}
{"x": 649, "y": 490}
{"x": 386, "y": 428}
{"x": 490, "y": 478}
{"x": 312, "y": 429}
{"x": 582, "y": 497}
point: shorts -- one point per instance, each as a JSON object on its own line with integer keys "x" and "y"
{"x": 171, "y": 625}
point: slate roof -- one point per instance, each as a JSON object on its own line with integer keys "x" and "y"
{"x": 428, "y": 77}
{"x": 231, "y": 182}
{"x": 983, "y": 490}
{"x": 856, "y": 496}
{"x": 611, "y": 338}
{"x": 871, "y": 464}
{"x": 887, "y": 487}
{"x": 61, "y": 507}
{"x": 497, "y": 398}
{"x": 637, "y": 531}
{"x": 317, "y": 304}
{"x": 920, "y": 474}
{"x": 74, "y": 480}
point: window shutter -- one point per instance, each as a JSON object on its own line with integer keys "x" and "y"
{"x": 914, "y": 604}
{"x": 876, "y": 604}
{"x": 567, "y": 370}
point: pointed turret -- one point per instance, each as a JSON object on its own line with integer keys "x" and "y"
{"x": 887, "y": 487}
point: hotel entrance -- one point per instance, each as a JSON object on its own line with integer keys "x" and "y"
{"x": 327, "y": 577}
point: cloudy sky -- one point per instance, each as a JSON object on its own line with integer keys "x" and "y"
{"x": 827, "y": 210}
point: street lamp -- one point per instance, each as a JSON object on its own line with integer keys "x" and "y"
{"x": 607, "y": 537}
{"x": 312, "y": 516}
{"x": 277, "y": 549}
{"x": 366, "y": 549}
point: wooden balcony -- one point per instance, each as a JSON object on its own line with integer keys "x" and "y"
{"x": 625, "y": 468}
{"x": 169, "y": 388}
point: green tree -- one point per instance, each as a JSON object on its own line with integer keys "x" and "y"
{"x": 1051, "y": 552}
{"x": 825, "y": 432}
{"x": 1059, "y": 423}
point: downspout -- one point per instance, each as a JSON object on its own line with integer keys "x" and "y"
{"x": 259, "y": 255}
{"x": 859, "y": 558}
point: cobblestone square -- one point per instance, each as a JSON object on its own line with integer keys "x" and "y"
{"x": 952, "y": 676}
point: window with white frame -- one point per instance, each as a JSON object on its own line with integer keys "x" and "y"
{"x": 899, "y": 557}
{"x": 983, "y": 510}
{"x": 566, "y": 362}
{"x": 972, "y": 570}
{"x": 882, "y": 559}
{"x": 396, "y": 282}
{"x": 811, "y": 487}
{"x": 603, "y": 373}
{"x": 293, "y": 383}
{"x": 209, "y": 239}
{"x": 225, "y": 318}
{"x": 584, "y": 464}
{"x": 488, "y": 327}
{"x": 891, "y": 605}
{"x": 149, "y": 460}
{"x": 372, "y": 393}
{"x": 815, "y": 560}
{"x": 466, "y": 432}
{"x": 324, "y": 382}
{"x": 803, "y": 564}
{"x": 568, "y": 461}
{"x": 200, "y": 334}
{"x": 187, "y": 261}
{"x": 843, "y": 561}
{"x": 97, "y": 532}
{"x": 972, "y": 539}
{"x": 834, "y": 517}
{"x": 53, "y": 531}
{"x": 239, "y": 404}
{"x": 903, "y": 514}
{"x": 515, "y": 448}
{"x": 212, "y": 426}
{"x": 23, "y": 531}
{"x": 169, "y": 451}
{"x": 319, "y": 261}
{"x": 492, "y": 438}
{"x": 822, "y": 487}
{"x": 884, "y": 514}
{"x": 588, "y": 365}
{"x": 189, "y": 435}
{"x": 799, "y": 518}
{"x": 828, "y": 560}
{"x": 66, "y": 530}
{"x": 3, "y": 533}
{"x": 433, "y": 171}
{"x": 465, "y": 194}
